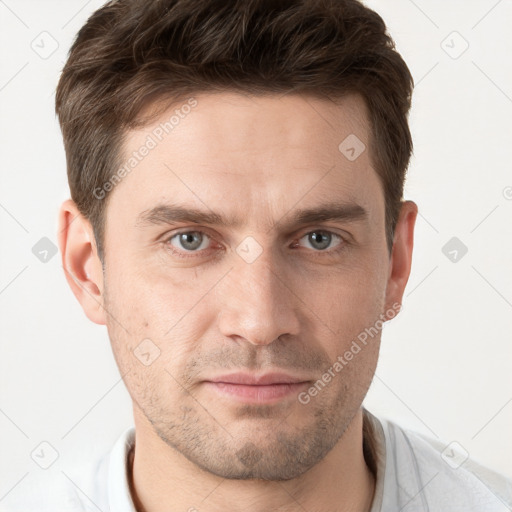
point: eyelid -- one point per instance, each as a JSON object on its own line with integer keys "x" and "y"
{"x": 182, "y": 253}
{"x": 166, "y": 238}
{"x": 343, "y": 241}
{"x": 314, "y": 229}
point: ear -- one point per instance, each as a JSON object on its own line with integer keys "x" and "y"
{"x": 82, "y": 266}
{"x": 401, "y": 254}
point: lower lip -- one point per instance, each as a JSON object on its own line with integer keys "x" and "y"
{"x": 257, "y": 394}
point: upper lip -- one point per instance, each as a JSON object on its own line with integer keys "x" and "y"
{"x": 255, "y": 380}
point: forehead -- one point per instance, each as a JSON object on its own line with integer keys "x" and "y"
{"x": 258, "y": 156}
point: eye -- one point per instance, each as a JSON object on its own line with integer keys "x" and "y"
{"x": 188, "y": 241}
{"x": 187, "y": 244}
{"x": 321, "y": 240}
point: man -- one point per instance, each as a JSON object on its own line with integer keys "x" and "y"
{"x": 236, "y": 171}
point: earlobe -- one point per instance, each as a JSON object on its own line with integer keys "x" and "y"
{"x": 80, "y": 261}
{"x": 401, "y": 256}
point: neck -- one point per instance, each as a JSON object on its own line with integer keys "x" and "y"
{"x": 162, "y": 479}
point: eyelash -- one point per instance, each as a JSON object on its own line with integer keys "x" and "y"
{"x": 338, "y": 248}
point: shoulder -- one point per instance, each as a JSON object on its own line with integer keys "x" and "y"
{"x": 57, "y": 488}
{"x": 82, "y": 485}
{"x": 423, "y": 473}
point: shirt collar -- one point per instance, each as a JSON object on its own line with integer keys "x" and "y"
{"x": 119, "y": 495}
{"x": 374, "y": 449}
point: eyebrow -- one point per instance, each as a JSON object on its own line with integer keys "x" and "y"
{"x": 169, "y": 214}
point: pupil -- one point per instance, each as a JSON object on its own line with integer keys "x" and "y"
{"x": 317, "y": 237}
{"x": 188, "y": 238}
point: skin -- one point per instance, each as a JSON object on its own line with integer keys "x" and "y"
{"x": 296, "y": 308}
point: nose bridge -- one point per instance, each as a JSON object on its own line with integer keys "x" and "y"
{"x": 257, "y": 303}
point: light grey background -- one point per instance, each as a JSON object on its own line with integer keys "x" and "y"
{"x": 446, "y": 360}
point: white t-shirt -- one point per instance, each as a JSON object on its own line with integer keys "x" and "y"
{"x": 413, "y": 474}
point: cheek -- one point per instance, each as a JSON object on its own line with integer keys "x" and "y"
{"x": 156, "y": 320}
{"x": 349, "y": 299}
{"x": 349, "y": 314}
{"x": 151, "y": 348}
{"x": 157, "y": 298}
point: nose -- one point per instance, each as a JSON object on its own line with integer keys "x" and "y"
{"x": 257, "y": 302}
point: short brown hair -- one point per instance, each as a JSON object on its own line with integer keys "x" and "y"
{"x": 131, "y": 53}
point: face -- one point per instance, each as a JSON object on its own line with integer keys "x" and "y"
{"x": 259, "y": 284}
